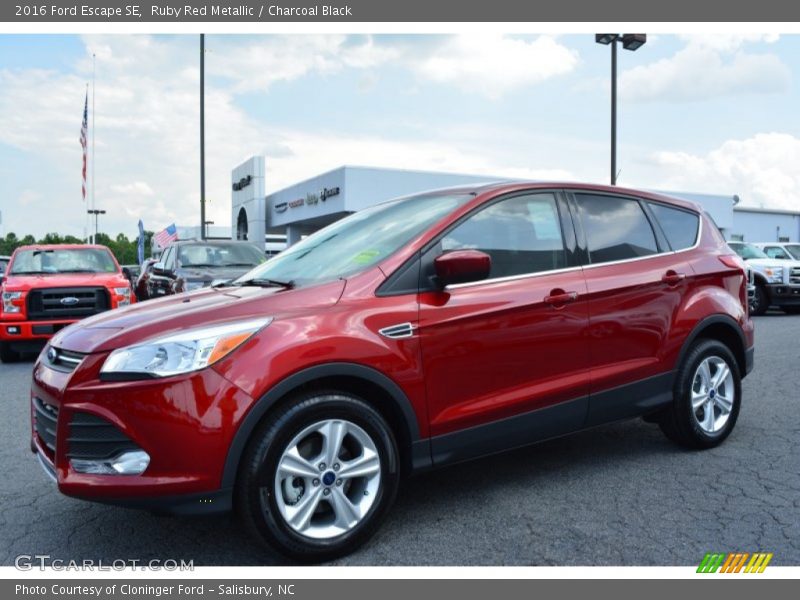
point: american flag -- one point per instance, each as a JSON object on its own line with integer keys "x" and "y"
{"x": 166, "y": 236}
{"x": 84, "y": 139}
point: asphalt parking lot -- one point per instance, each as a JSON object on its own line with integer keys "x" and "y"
{"x": 617, "y": 495}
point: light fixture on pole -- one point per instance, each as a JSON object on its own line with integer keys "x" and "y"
{"x": 629, "y": 41}
{"x": 96, "y": 213}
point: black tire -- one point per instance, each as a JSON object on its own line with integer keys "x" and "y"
{"x": 791, "y": 310}
{"x": 679, "y": 422}
{"x": 760, "y": 302}
{"x": 261, "y": 515}
{"x": 7, "y": 355}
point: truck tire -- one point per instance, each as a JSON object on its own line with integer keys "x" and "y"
{"x": 760, "y": 302}
{"x": 7, "y": 355}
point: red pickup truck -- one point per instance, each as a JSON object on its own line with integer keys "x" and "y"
{"x": 47, "y": 287}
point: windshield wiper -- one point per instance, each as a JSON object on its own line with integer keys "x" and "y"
{"x": 237, "y": 265}
{"x": 258, "y": 282}
{"x": 198, "y": 265}
{"x": 32, "y": 272}
{"x": 78, "y": 271}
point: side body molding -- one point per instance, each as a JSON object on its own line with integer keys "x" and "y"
{"x": 420, "y": 448}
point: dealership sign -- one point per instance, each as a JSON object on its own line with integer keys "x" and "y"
{"x": 242, "y": 183}
{"x": 310, "y": 200}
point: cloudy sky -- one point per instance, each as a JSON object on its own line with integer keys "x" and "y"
{"x": 712, "y": 114}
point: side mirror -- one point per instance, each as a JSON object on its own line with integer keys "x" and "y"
{"x": 160, "y": 269}
{"x": 126, "y": 272}
{"x": 462, "y": 266}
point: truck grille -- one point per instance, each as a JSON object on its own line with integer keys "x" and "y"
{"x": 93, "y": 438}
{"x": 794, "y": 276}
{"x": 46, "y": 422}
{"x": 67, "y": 303}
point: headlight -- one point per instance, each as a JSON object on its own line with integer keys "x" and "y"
{"x": 193, "y": 285}
{"x": 774, "y": 274}
{"x": 125, "y": 293}
{"x": 183, "y": 352}
{"x": 8, "y": 299}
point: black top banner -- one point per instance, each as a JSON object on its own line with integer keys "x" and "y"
{"x": 177, "y": 11}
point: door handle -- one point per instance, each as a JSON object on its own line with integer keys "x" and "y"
{"x": 559, "y": 297}
{"x": 672, "y": 277}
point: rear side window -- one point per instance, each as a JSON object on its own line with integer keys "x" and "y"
{"x": 522, "y": 235}
{"x": 616, "y": 228}
{"x": 680, "y": 226}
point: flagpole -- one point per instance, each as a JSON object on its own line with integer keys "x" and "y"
{"x": 94, "y": 85}
{"x": 86, "y": 231}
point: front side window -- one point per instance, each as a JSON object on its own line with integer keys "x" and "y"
{"x": 680, "y": 226}
{"x": 616, "y": 228}
{"x": 48, "y": 261}
{"x": 521, "y": 235}
{"x": 747, "y": 251}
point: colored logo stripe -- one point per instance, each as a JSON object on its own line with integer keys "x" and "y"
{"x": 734, "y": 562}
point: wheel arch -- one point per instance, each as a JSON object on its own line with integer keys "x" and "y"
{"x": 723, "y": 328}
{"x": 375, "y": 388}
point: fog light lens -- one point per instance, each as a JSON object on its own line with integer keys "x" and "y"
{"x": 13, "y": 330}
{"x": 133, "y": 462}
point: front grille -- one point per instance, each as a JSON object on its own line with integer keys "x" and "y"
{"x": 93, "y": 438}
{"x": 67, "y": 303}
{"x": 794, "y": 276}
{"x": 46, "y": 423}
{"x": 62, "y": 360}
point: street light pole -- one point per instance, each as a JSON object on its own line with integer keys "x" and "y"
{"x": 96, "y": 214}
{"x": 629, "y": 41}
{"x": 202, "y": 135}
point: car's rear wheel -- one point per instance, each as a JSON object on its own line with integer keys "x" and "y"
{"x": 706, "y": 397}
{"x": 760, "y": 302}
{"x": 319, "y": 476}
{"x": 7, "y": 355}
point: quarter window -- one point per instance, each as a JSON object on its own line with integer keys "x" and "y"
{"x": 522, "y": 235}
{"x": 616, "y": 228}
{"x": 680, "y": 226}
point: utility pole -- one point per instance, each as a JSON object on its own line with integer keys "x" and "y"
{"x": 202, "y": 136}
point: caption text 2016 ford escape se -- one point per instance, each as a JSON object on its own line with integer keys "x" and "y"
{"x": 417, "y": 333}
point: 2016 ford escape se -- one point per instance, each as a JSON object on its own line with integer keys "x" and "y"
{"x": 420, "y": 332}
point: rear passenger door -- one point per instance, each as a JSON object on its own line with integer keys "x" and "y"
{"x": 635, "y": 283}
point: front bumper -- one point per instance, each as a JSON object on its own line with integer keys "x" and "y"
{"x": 184, "y": 423}
{"x": 781, "y": 294}
{"x": 29, "y": 335}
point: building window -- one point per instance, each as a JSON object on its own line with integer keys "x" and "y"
{"x": 737, "y": 237}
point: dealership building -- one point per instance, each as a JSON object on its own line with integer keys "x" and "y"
{"x": 305, "y": 207}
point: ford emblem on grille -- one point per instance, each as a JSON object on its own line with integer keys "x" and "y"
{"x": 52, "y": 355}
{"x": 69, "y": 301}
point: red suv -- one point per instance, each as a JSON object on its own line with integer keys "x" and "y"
{"x": 414, "y": 334}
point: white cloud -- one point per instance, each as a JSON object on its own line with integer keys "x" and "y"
{"x": 761, "y": 169}
{"x": 707, "y": 67}
{"x": 494, "y": 64}
{"x": 260, "y": 64}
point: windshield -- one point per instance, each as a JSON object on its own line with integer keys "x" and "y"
{"x": 356, "y": 242}
{"x": 794, "y": 250}
{"x": 219, "y": 255}
{"x": 63, "y": 260}
{"x": 747, "y": 251}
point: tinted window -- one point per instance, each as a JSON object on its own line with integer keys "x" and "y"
{"x": 680, "y": 226}
{"x": 616, "y": 228}
{"x": 794, "y": 250}
{"x": 219, "y": 255}
{"x": 522, "y": 235}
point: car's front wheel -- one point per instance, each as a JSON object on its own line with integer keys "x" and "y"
{"x": 7, "y": 355}
{"x": 706, "y": 397}
{"x": 319, "y": 476}
{"x": 760, "y": 301}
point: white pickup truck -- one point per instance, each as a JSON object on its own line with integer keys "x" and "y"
{"x": 777, "y": 281}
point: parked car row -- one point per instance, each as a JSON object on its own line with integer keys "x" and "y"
{"x": 776, "y": 275}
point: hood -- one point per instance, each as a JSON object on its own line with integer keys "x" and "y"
{"x": 30, "y": 282}
{"x": 172, "y": 314}
{"x": 211, "y": 274}
{"x": 772, "y": 263}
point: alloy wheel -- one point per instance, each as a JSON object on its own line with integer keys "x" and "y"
{"x": 712, "y": 394}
